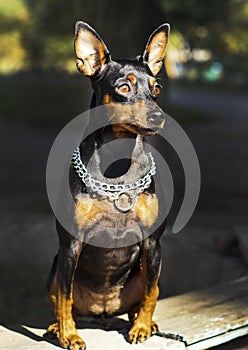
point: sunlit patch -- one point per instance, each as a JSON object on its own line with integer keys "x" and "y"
{"x": 92, "y": 54}
{"x": 156, "y": 51}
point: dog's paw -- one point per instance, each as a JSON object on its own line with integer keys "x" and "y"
{"x": 72, "y": 342}
{"x": 141, "y": 331}
{"x": 69, "y": 341}
{"x": 52, "y": 331}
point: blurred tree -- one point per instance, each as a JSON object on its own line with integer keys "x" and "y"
{"x": 124, "y": 25}
{"x": 13, "y": 14}
{"x": 41, "y": 32}
{"x": 219, "y": 25}
{"x": 48, "y": 35}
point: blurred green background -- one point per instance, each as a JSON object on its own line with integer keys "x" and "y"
{"x": 208, "y": 47}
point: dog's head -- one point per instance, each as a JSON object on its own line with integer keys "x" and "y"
{"x": 127, "y": 88}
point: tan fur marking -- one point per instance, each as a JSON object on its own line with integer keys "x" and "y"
{"x": 68, "y": 335}
{"x": 120, "y": 113}
{"x": 132, "y": 78}
{"x": 107, "y": 99}
{"x": 146, "y": 208}
{"x": 143, "y": 325}
{"x": 109, "y": 302}
{"x": 87, "y": 210}
{"x": 152, "y": 81}
{"x": 121, "y": 130}
{"x": 141, "y": 103}
{"x": 64, "y": 329}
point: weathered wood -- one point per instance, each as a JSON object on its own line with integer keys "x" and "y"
{"x": 218, "y": 340}
{"x": 207, "y": 317}
{"x": 204, "y": 318}
{"x": 27, "y": 338}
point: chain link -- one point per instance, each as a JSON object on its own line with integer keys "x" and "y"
{"x": 112, "y": 191}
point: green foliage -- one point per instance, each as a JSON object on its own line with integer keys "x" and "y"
{"x": 13, "y": 10}
{"x": 39, "y": 34}
{"x": 13, "y": 15}
{"x": 47, "y": 33}
{"x": 225, "y": 23}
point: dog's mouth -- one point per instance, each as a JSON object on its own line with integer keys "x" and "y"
{"x": 137, "y": 129}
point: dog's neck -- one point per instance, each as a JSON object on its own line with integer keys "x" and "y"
{"x": 122, "y": 158}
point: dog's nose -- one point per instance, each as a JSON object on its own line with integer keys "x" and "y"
{"x": 156, "y": 118}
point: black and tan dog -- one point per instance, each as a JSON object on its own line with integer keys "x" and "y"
{"x": 106, "y": 280}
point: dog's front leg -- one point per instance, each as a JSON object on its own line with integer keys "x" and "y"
{"x": 143, "y": 326}
{"x": 61, "y": 293}
{"x": 67, "y": 262}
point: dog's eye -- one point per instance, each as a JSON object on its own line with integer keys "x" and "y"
{"x": 124, "y": 88}
{"x": 156, "y": 90}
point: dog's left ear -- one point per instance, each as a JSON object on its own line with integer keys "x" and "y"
{"x": 155, "y": 48}
{"x": 91, "y": 52}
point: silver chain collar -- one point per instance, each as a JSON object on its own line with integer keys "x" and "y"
{"x": 120, "y": 193}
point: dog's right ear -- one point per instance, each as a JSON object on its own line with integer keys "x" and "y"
{"x": 91, "y": 52}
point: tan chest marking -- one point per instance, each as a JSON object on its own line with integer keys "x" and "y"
{"x": 89, "y": 210}
{"x": 146, "y": 208}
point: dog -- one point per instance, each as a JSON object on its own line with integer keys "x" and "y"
{"x": 114, "y": 201}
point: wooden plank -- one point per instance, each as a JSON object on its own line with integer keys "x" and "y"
{"x": 29, "y": 338}
{"x": 219, "y": 339}
{"x": 204, "y": 318}
{"x": 207, "y": 317}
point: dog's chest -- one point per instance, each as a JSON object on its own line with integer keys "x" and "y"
{"x": 103, "y": 278}
{"x": 91, "y": 211}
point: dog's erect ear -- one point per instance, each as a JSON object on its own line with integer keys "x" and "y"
{"x": 155, "y": 48}
{"x": 91, "y": 52}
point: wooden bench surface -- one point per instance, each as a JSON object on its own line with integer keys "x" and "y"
{"x": 207, "y": 317}
{"x": 203, "y": 318}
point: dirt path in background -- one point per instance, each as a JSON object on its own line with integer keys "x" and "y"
{"x": 24, "y": 149}
{"x": 222, "y": 149}
{"x": 223, "y": 105}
